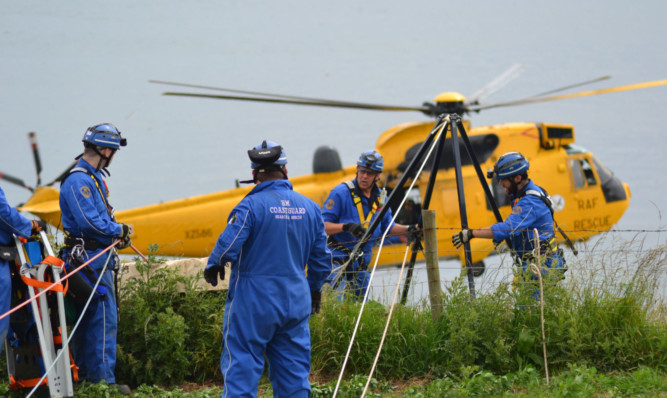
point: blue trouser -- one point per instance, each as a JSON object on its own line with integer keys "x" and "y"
{"x": 351, "y": 280}
{"x": 5, "y": 300}
{"x": 551, "y": 263}
{"x": 552, "y": 270}
{"x": 94, "y": 341}
{"x": 262, "y": 318}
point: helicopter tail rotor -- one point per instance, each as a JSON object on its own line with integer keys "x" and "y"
{"x": 16, "y": 181}
{"x": 38, "y": 167}
{"x": 62, "y": 175}
{"x": 35, "y": 154}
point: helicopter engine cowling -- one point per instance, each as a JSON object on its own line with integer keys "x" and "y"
{"x": 326, "y": 160}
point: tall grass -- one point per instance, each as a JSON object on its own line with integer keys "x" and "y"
{"x": 606, "y": 316}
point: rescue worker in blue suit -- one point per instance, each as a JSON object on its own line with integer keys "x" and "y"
{"x": 270, "y": 237}
{"x": 88, "y": 219}
{"x": 348, "y": 211}
{"x": 531, "y": 209}
{"x": 11, "y": 223}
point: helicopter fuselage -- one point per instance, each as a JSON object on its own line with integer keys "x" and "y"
{"x": 588, "y": 199}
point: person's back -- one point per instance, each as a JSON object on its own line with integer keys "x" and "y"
{"x": 270, "y": 237}
{"x": 529, "y": 213}
{"x": 280, "y": 228}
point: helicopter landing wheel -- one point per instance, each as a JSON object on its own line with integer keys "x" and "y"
{"x": 478, "y": 268}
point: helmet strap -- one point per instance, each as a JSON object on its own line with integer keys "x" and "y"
{"x": 265, "y": 169}
{"x": 104, "y": 160}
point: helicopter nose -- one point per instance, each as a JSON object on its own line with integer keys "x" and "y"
{"x": 627, "y": 190}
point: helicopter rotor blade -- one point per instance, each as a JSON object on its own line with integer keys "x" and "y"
{"x": 63, "y": 174}
{"x": 16, "y": 181}
{"x": 254, "y": 93}
{"x": 599, "y": 79}
{"x": 352, "y": 105}
{"x": 531, "y": 100}
{"x": 496, "y": 84}
{"x": 35, "y": 154}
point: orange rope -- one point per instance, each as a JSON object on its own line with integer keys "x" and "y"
{"x": 53, "y": 286}
{"x": 138, "y": 252}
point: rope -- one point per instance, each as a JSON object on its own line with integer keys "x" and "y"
{"x": 386, "y": 326}
{"x": 139, "y": 253}
{"x": 536, "y": 269}
{"x": 85, "y": 307}
{"x": 377, "y": 258}
{"x": 53, "y": 285}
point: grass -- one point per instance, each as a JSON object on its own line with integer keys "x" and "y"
{"x": 606, "y": 335}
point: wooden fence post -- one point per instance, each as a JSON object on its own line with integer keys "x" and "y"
{"x": 432, "y": 266}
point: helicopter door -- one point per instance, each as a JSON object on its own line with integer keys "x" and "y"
{"x": 582, "y": 171}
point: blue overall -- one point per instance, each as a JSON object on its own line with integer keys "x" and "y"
{"x": 270, "y": 237}
{"x": 11, "y": 222}
{"x": 528, "y": 212}
{"x": 340, "y": 208}
{"x": 85, "y": 214}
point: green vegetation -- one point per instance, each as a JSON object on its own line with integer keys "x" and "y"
{"x": 605, "y": 325}
{"x": 170, "y": 331}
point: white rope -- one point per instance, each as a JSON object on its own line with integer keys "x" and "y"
{"x": 386, "y": 325}
{"x": 377, "y": 257}
{"x": 85, "y": 307}
{"x": 537, "y": 269}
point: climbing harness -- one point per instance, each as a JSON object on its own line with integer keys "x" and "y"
{"x": 377, "y": 203}
{"x": 549, "y": 203}
{"x": 356, "y": 199}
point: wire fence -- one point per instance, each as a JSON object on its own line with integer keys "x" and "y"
{"x": 606, "y": 262}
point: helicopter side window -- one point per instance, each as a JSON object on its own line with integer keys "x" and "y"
{"x": 482, "y": 145}
{"x": 582, "y": 173}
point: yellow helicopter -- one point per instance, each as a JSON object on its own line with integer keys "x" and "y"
{"x": 588, "y": 198}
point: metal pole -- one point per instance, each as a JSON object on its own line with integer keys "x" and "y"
{"x": 485, "y": 186}
{"x": 462, "y": 200}
{"x": 414, "y": 164}
{"x": 427, "y": 201}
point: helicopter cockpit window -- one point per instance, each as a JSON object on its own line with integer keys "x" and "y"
{"x": 482, "y": 145}
{"x": 612, "y": 187}
{"x": 582, "y": 173}
{"x": 604, "y": 173}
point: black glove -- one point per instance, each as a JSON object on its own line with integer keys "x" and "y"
{"x": 415, "y": 233}
{"x": 37, "y": 227}
{"x": 211, "y": 274}
{"x": 316, "y": 299}
{"x": 462, "y": 237}
{"x": 125, "y": 232}
{"x": 355, "y": 229}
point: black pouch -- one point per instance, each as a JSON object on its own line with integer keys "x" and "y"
{"x": 8, "y": 253}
